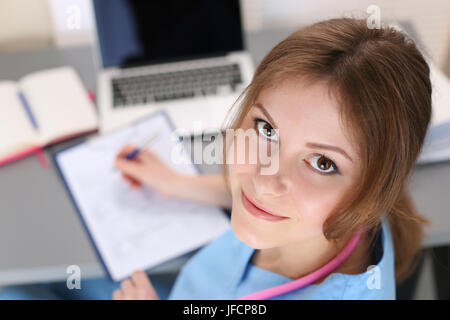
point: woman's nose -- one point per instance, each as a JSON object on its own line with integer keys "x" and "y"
{"x": 272, "y": 185}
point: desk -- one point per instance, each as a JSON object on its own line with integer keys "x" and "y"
{"x": 40, "y": 233}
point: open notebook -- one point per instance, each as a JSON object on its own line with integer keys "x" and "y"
{"x": 43, "y": 108}
{"x": 135, "y": 228}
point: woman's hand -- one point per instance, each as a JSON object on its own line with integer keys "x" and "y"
{"x": 149, "y": 170}
{"x": 138, "y": 287}
{"x": 146, "y": 169}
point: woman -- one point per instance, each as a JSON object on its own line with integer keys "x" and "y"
{"x": 345, "y": 109}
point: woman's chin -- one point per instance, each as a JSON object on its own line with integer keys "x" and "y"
{"x": 248, "y": 233}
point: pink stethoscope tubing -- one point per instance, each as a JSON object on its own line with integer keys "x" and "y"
{"x": 309, "y": 278}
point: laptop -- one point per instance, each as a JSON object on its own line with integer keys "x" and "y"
{"x": 185, "y": 57}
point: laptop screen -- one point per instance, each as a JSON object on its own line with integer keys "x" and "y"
{"x": 136, "y": 32}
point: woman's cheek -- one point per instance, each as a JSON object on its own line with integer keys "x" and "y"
{"x": 316, "y": 200}
{"x": 239, "y": 175}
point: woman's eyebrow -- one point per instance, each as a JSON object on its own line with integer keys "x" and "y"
{"x": 263, "y": 110}
{"x": 329, "y": 147}
{"x": 308, "y": 144}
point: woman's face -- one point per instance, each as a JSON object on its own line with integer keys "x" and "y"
{"x": 317, "y": 165}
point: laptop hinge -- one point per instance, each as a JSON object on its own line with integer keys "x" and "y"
{"x": 143, "y": 62}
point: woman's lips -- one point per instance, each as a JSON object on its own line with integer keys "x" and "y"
{"x": 257, "y": 211}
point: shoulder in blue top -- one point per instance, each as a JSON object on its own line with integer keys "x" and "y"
{"x": 222, "y": 270}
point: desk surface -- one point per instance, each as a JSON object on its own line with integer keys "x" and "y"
{"x": 40, "y": 233}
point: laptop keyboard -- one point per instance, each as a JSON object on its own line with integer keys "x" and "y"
{"x": 159, "y": 87}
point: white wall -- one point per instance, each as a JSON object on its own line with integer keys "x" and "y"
{"x": 72, "y": 22}
{"x": 24, "y": 24}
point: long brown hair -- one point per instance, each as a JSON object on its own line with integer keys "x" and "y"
{"x": 382, "y": 84}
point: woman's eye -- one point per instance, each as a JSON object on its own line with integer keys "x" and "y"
{"x": 323, "y": 164}
{"x": 265, "y": 129}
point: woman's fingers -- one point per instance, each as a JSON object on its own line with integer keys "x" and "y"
{"x": 144, "y": 286}
{"x": 117, "y": 295}
{"x": 132, "y": 169}
{"x": 148, "y": 154}
{"x": 146, "y": 169}
{"x": 132, "y": 181}
{"x": 144, "y": 154}
{"x": 139, "y": 278}
{"x": 128, "y": 289}
{"x": 138, "y": 287}
{"x": 125, "y": 150}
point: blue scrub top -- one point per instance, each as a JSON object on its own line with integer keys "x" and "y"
{"x": 222, "y": 270}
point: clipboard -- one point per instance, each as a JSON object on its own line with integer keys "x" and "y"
{"x": 218, "y": 222}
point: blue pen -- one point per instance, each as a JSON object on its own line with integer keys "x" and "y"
{"x": 133, "y": 154}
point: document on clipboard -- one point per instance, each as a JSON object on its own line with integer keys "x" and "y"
{"x": 130, "y": 228}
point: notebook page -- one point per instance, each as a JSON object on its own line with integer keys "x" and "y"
{"x": 136, "y": 228}
{"x": 16, "y": 130}
{"x": 59, "y": 103}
